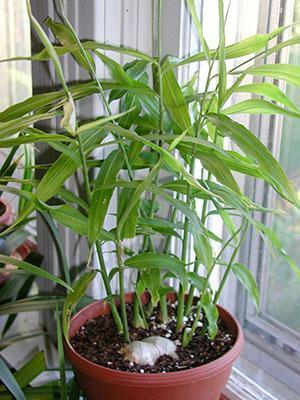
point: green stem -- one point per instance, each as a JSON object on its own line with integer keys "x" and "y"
{"x": 190, "y": 298}
{"x": 187, "y": 338}
{"x": 163, "y": 309}
{"x": 231, "y": 261}
{"x": 180, "y": 298}
{"x": 85, "y": 174}
{"x": 108, "y": 290}
{"x": 122, "y": 291}
{"x": 106, "y": 282}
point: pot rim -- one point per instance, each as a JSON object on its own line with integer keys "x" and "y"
{"x": 134, "y": 378}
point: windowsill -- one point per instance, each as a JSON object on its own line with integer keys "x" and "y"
{"x": 249, "y": 382}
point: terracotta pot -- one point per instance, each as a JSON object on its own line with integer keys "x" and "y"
{"x": 6, "y": 216}
{"x": 201, "y": 383}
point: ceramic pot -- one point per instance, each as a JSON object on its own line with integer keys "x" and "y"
{"x": 201, "y": 383}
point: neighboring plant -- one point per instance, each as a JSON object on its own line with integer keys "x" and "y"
{"x": 162, "y": 128}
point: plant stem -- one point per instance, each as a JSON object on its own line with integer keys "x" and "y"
{"x": 189, "y": 337}
{"x": 231, "y": 261}
{"x": 122, "y": 291}
{"x": 163, "y": 308}
{"x": 108, "y": 290}
{"x": 106, "y": 282}
{"x": 190, "y": 298}
{"x": 180, "y": 308}
{"x": 84, "y": 170}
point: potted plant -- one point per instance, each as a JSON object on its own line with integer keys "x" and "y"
{"x": 168, "y": 338}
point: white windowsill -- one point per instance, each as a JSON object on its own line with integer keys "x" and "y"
{"x": 249, "y": 382}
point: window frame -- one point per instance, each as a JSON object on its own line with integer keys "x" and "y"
{"x": 268, "y": 343}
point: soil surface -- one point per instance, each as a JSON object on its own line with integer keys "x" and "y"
{"x": 99, "y": 342}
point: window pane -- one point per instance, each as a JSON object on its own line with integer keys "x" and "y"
{"x": 283, "y": 286}
{"x": 15, "y": 82}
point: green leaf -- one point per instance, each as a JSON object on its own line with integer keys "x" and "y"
{"x": 10, "y": 382}
{"x": 100, "y": 122}
{"x": 271, "y": 91}
{"x": 211, "y": 313}
{"x": 59, "y": 246}
{"x": 248, "y": 46}
{"x": 66, "y": 37}
{"x": 70, "y": 197}
{"x": 201, "y": 243}
{"x": 70, "y": 217}
{"x": 286, "y": 72}
{"x": 87, "y": 45}
{"x": 196, "y": 280}
{"x": 34, "y": 138}
{"x": 174, "y": 101}
{"x": 259, "y": 106}
{"x": 79, "y": 288}
{"x": 64, "y": 167}
{"x": 30, "y": 370}
{"x": 34, "y": 303}
{"x": 246, "y": 278}
{"x": 61, "y": 358}
{"x": 192, "y": 8}
{"x": 11, "y": 127}
{"x": 220, "y": 170}
{"x": 252, "y": 146}
{"x": 32, "y": 269}
{"x": 160, "y": 225}
{"x": 129, "y": 228}
{"x": 159, "y": 261}
{"x": 169, "y": 159}
{"x": 137, "y": 195}
{"x": 275, "y": 243}
{"x": 222, "y": 54}
{"x": 100, "y": 198}
{"x": 48, "y": 46}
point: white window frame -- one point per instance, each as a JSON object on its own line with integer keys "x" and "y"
{"x": 269, "y": 344}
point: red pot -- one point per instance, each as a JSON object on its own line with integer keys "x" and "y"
{"x": 6, "y": 216}
{"x": 202, "y": 383}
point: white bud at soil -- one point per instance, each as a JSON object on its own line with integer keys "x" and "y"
{"x": 146, "y": 352}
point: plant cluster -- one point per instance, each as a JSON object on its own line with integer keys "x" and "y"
{"x": 163, "y": 128}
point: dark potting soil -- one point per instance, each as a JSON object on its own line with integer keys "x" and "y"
{"x": 99, "y": 342}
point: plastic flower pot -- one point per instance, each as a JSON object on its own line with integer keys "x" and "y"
{"x": 201, "y": 383}
{"x": 5, "y": 213}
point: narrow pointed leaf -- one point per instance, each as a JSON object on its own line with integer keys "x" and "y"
{"x": 61, "y": 358}
{"x": 222, "y": 54}
{"x": 10, "y": 382}
{"x": 192, "y": 8}
{"x": 211, "y": 313}
{"x": 32, "y": 269}
{"x": 174, "y": 101}
{"x": 100, "y": 198}
{"x": 252, "y": 146}
{"x": 79, "y": 288}
{"x": 129, "y": 228}
{"x": 246, "y": 278}
{"x": 259, "y": 106}
{"x": 286, "y": 72}
{"x": 271, "y": 91}
{"x": 160, "y": 261}
{"x": 11, "y": 127}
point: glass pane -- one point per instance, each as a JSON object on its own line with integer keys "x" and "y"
{"x": 283, "y": 287}
{"x": 15, "y": 82}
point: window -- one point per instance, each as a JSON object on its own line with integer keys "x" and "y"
{"x": 15, "y": 83}
{"x": 272, "y": 351}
